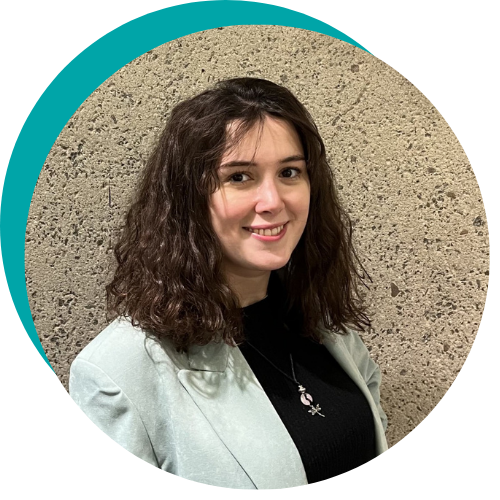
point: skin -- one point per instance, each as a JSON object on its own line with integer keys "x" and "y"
{"x": 273, "y": 187}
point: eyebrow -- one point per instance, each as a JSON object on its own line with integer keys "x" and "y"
{"x": 242, "y": 163}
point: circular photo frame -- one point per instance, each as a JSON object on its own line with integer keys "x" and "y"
{"x": 401, "y": 173}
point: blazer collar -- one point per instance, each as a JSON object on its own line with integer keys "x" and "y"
{"x": 212, "y": 357}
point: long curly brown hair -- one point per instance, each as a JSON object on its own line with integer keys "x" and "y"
{"x": 169, "y": 278}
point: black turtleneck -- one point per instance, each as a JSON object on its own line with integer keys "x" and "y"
{"x": 345, "y": 437}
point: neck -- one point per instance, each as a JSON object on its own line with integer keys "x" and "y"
{"x": 249, "y": 288}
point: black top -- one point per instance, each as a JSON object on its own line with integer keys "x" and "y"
{"x": 341, "y": 440}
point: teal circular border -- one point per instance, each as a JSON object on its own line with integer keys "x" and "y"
{"x": 79, "y": 79}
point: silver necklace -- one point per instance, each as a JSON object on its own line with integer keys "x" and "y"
{"x": 305, "y": 398}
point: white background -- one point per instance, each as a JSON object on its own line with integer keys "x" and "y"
{"x": 50, "y": 449}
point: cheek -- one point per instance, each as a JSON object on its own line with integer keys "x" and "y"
{"x": 301, "y": 203}
{"x": 226, "y": 212}
{"x": 306, "y": 205}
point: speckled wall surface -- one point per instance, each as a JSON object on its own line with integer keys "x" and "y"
{"x": 419, "y": 220}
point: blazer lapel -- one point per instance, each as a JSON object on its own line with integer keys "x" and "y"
{"x": 224, "y": 388}
{"x": 338, "y": 350}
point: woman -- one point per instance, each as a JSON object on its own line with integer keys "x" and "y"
{"x": 231, "y": 362}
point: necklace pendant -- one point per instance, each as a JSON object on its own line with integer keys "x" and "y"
{"x": 306, "y": 399}
{"x": 315, "y": 410}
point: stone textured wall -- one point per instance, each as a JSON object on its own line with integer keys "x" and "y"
{"x": 419, "y": 220}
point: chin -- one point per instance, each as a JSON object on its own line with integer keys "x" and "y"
{"x": 271, "y": 265}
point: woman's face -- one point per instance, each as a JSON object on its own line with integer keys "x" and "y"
{"x": 260, "y": 210}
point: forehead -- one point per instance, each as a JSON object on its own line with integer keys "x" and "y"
{"x": 271, "y": 138}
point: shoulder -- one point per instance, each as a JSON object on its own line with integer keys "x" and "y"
{"x": 352, "y": 342}
{"x": 119, "y": 344}
{"x": 124, "y": 352}
{"x": 349, "y": 346}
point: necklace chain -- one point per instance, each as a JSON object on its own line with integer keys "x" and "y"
{"x": 293, "y": 379}
{"x": 305, "y": 398}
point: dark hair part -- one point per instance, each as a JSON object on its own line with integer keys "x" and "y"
{"x": 169, "y": 279}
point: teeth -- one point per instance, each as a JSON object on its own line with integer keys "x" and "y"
{"x": 267, "y": 232}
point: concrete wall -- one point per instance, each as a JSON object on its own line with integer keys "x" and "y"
{"x": 419, "y": 220}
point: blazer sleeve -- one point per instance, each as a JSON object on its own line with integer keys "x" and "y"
{"x": 110, "y": 409}
{"x": 369, "y": 370}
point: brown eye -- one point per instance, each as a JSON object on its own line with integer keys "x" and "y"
{"x": 290, "y": 173}
{"x": 239, "y": 178}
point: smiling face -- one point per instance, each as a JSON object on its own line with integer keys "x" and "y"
{"x": 260, "y": 210}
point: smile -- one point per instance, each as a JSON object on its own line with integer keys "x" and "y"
{"x": 267, "y": 232}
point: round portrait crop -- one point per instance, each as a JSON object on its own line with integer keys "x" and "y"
{"x": 264, "y": 263}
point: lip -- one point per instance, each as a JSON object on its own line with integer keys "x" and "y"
{"x": 269, "y": 238}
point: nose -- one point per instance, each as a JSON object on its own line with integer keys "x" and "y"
{"x": 269, "y": 198}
